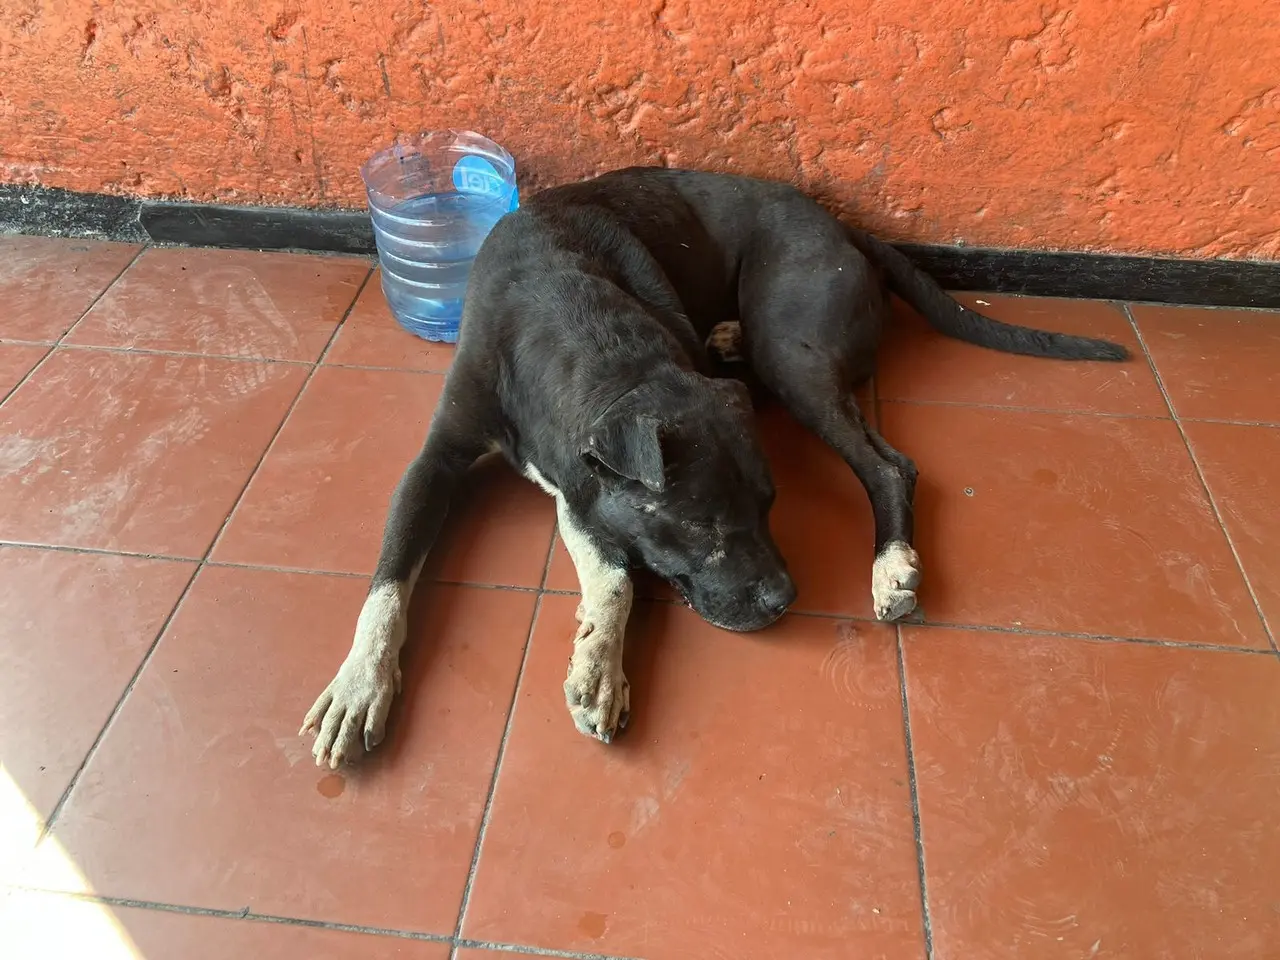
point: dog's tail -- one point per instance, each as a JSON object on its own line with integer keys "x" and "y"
{"x": 947, "y": 316}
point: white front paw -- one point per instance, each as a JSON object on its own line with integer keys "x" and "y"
{"x": 354, "y": 706}
{"x": 596, "y": 690}
{"x": 894, "y": 579}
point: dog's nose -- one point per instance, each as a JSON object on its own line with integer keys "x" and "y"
{"x": 777, "y": 594}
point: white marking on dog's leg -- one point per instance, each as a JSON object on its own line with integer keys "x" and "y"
{"x": 596, "y": 690}
{"x": 533, "y": 473}
{"x": 356, "y": 702}
{"x": 894, "y": 578}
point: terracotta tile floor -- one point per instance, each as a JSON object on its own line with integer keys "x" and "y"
{"x": 1072, "y": 751}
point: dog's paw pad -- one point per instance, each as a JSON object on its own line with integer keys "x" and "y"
{"x": 597, "y": 692}
{"x": 894, "y": 579}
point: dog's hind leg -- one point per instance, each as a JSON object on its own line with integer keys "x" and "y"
{"x": 811, "y": 319}
{"x": 596, "y": 690}
{"x": 354, "y": 706}
{"x": 888, "y": 476}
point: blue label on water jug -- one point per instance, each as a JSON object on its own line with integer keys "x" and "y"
{"x": 477, "y": 175}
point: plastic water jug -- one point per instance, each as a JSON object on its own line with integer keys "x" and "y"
{"x": 434, "y": 198}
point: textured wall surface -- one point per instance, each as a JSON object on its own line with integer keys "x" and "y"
{"x": 1143, "y": 125}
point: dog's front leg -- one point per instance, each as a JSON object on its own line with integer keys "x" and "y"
{"x": 354, "y": 706}
{"x": 596, "y": 689}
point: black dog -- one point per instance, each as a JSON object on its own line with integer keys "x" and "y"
{"x": 584, "y": 360}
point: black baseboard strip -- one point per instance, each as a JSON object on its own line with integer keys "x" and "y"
{"x": 1100, "y": 276}
{"x": 54, "y": 212}
{"x": 258, "y": 228}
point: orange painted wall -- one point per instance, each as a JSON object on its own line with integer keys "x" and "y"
{"x": 1116, "y": 125}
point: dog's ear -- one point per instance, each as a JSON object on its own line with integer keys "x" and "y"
{"x": 630, "y": 446}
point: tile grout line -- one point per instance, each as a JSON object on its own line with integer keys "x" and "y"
{"x": 917, "y": 826}
{"x": 153, "y": 352}
{"x": 1204, "y": 485}
{"x": 556, "y": 592}
{"x": 156, "y": 352}
{"x": 1021, "y": 631}
{"x": 116, "y": 279}
{"x": 487, "y": 812}
{"x": 265, "y": 567}
{"x": 48, "y": 352}
{"x": 333, "y": 338}
{"x": 1215, "y": 307}
{"x": 374, "y": 368}
{"x": 52, "y": 819}
{"x": 284, "y": 421}
{"x": 348, "y": 575}
{"x": 1019, "y": 408}
{"x": 270, "y": 918}
{"x": 53, "y": 347}
{"x": 551, "y": 555}
{"x": 56, "y": 812}
{"x": 245, "y": 914}
{"x": 94, "y": 551}
{"x": 1272, "y": 424}
{"x": 492, "y": 945}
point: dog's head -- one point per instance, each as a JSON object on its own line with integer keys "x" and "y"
{"x": 684, "y": 485}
